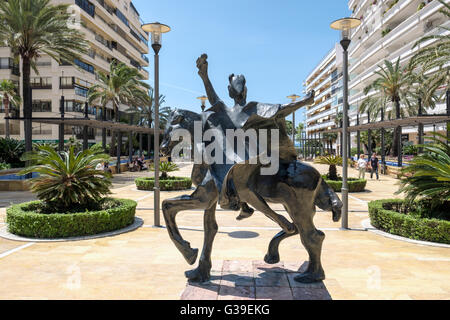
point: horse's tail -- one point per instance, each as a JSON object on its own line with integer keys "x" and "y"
{"x": 327, "y": 199}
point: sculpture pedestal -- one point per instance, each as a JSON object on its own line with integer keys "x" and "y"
{"x": 255, "y": 280}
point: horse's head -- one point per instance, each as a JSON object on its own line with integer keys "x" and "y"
{"x": 327, "y": 199}
{"x": 178, "y": 119}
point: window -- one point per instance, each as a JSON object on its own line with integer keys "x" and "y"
{"x": 85, "y": 66}
{"x": 81, "y": 91}
{"x": 66, "y": 82}
{"x": 41, "y": 83}
{"x": 86, "y": 6}
{"x": 121, "y": 16}
{"x": 41, "y": 106}
{"x": 73, "y": 106}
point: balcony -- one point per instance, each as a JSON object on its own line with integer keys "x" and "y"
{"x": 321, "y": 115}
{"x": 321, "y": 126}
{"x": 313, "y": 74}
{"x": 319, "y": 106}
{"x": 404, "y": 53}
{"x": 86, "y": 6}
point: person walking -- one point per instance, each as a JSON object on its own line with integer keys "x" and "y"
{"x": 362, "y": 165}
{"x": 374, "y": 162}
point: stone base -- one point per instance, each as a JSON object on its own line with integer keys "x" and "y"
{"x": 14, "y": 185}
{"x": 255, "y": 280}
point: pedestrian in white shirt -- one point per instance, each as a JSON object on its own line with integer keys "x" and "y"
{"x": 99, "y": 167}
{"x": 362, "y": 165}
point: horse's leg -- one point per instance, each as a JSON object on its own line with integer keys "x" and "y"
{"x": 200, "y": 199}
{"x": 202, "y": 272}
{"x": 302, "y": 214}
{"x": 260, "y": 204}
{"x": 273, "y": 254}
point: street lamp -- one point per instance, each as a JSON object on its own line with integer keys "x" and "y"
{"x": 203, "y": 99}
{"x": 156, "y": 29}
{"x": 294, "y": 98}
{"x": 345, "y": 25}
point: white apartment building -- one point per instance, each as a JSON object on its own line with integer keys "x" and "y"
{"x": 388, "y": 31}
{"x": 113, "y": 29}
{"x": 326, "y": 80}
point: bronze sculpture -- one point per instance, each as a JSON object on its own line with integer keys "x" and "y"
{"x": 297, "y": 186}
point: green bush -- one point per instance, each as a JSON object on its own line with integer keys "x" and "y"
{"x": 27, "y": 220}
{"x": 4, "y": 166}
{"x": 354, "y": 185}
{"x": 386, "y": 215}
{"x": 10, "y": 152}
{"x": 169, "y": 184}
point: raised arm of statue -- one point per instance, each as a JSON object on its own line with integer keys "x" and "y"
{"x": 287, "y": 109}
{"x": 202, "y": 65}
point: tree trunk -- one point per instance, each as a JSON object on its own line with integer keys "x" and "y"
{"x": 6, "y": 105}
{"x": 397, "y": 143}
{"x": 27, "y": 105}
{"x": 332, "y": 173}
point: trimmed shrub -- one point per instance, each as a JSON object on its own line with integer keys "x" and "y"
{"x": 29, "y": 220}
{"x": 169, "y": 184}
{"x": 386, "y": 215}
{"x": 354, "y": 185}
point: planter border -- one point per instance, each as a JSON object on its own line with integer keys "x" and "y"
{"x": 401, "y": 225}
{"x": 175, "y": 184}
{"x": 369, "y": 227}
{"x": 32, "y": 225}
{"x": 354, "y": 185}
{"x": 138, "y": 223}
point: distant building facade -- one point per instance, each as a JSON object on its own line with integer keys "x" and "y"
{"x": 113, "y": 30}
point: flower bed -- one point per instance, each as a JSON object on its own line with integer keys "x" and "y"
{"x": 169, "y": 184}
{"x": 394, "y": 217}
{"x": 354, "y": 185}
{"x": 33, "y": 220}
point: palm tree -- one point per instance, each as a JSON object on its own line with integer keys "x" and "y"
{"x": 390, "y": 88}
{"x": 123, "y": 85}
{"x": 35, "y": 27}
{"x": 434, "y": 59}
{"x": 299, "y": 131}
{"x": 8, "y": 94}
{"x": 332, "y": 161}
{"x": 144, "y": 114}
{"x": 165, "y": 168}
{"x": 428, "y": 175}
{"x": 67, "y": 179}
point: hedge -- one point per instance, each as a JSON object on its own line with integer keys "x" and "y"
{"x": 354, "y": 185}
{"x": 23, "y": 221}
{"x": 383, "y": 216}
{"x": 170, "y": 184}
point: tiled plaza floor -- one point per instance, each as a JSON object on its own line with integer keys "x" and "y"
{"x": 145, "y": 264}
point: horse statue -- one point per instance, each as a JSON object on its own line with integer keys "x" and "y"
{"x": 297, "y": 186}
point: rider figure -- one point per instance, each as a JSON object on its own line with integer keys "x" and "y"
{"x": 252, "y": 115}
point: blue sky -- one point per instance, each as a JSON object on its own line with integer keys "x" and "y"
{"x": 275, "y": 44}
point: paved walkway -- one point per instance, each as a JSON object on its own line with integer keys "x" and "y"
{"x": 144, "y": 264}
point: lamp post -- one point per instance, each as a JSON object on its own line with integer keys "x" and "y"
{"x": 345, "y": 25}
{"x": 203, "y": 100}
{"x": 156, "y": 29}
{"x": 294, "y": 98}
